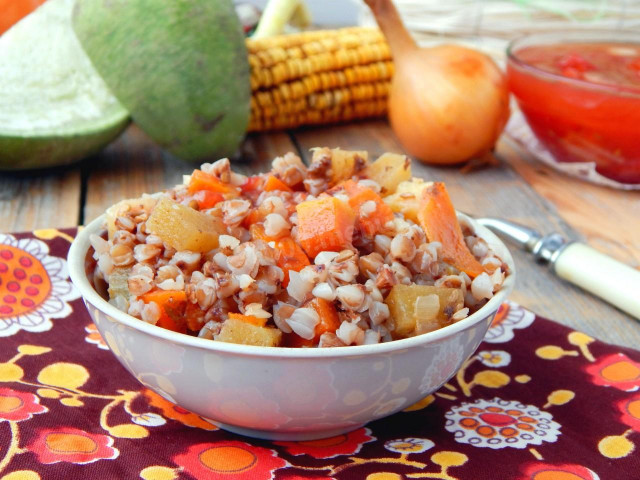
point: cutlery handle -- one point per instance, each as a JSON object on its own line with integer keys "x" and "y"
{"x": 609, "y": 279}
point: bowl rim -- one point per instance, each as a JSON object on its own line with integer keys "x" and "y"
{"x": 573, "y": 36}
{"x": 76, "y": 261}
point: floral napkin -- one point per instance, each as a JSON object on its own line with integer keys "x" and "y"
{"x": 537, "y": 401}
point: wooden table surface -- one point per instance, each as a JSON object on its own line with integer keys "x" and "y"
{"x": 519, "y": 189}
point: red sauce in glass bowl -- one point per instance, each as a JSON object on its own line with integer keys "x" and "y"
{"x": 582, "y": 101}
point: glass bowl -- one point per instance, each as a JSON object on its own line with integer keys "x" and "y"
{"x": 580, "y": 112}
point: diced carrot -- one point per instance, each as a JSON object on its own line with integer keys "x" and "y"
{"x": 324, "y": 224}
{"x": 253, "y": 320}
{"x": 172, "y": 305}
{"x": 371, "y": 222}
{"x": 207, "y": 199}
{"x": 194, "y": 316}
{"x": 289, "y": 255}
{"x": 253, "y": 183}
{"x": 440, "y": 223}
{"x": 329, "y": 322}
{"x": 255, "y": 216}
{"x": 257, "y": 233}
{"x": 274, "y": 183}
{"x": 204, "y": 181}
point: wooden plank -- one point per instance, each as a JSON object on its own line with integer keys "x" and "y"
{"x": 134, "y": 165}
{"x": 40, "y": 199}
{"x": 499, "y": 191}
{"x": 607, "y": 218}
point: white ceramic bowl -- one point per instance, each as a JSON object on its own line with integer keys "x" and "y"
{"x": 285, "y": 393}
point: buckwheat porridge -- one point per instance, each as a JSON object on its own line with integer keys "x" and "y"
{"x": 341, "y": 252}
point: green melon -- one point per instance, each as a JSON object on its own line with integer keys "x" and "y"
{"x": 54, "y": 107}
{"x": 179, "y": 66}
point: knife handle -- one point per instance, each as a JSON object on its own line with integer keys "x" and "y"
{"x": 601, "y": 275}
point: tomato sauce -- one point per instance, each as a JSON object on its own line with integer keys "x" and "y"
{"x": 582, "y": 100}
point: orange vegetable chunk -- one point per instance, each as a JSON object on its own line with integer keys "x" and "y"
{"x": 172, "y": 305}
{"x": 207, "y": 199}
{"x": 274, "y": 183}
{"x": 194, "y": 317}
{"x": 329, "y": 322}
{"x": 204, "y": 181}
{"x": 289, "y": 255}
{"x": 440, "y": 223}
{"x": 368, "y": 222}
{"x": 325, "y": 224}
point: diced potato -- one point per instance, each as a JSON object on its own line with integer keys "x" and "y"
{"x": 119, "y": 285}
{"x": 144, "y": 204}
{"x": 237, "y": 331}
{"x": 389, "y": 170}
{"x": 344, "y": 163}
{"x": 406, "y": 199}
{"x": 402, "y": 307}
{"x": 183, "y": 228}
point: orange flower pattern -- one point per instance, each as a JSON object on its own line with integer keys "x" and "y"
{"x": 71, "y": 445}
{"x": 345, "y": 444}
{"x": 630, "y": 410}
{"x": 17, "y": 406}
{"x": 547, "y": 403}
{"x": 545, "y": 471}
{"x": 230, "y": 460}
{"x": 617, "y": 371}
{"x": 175, "y": 412}
{"x": 34, "y": 286}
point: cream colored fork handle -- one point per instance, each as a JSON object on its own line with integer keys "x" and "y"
{"x": 609, "y": 279}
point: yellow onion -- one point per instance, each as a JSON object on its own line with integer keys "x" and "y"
{"x": 448, "y": 104}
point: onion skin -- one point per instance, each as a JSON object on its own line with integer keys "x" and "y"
{"x": 448, "y": 104}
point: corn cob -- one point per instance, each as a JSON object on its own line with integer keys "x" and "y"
{"x": 318, "y": 77}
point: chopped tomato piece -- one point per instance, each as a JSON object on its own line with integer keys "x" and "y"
{"x": 325, "y": 224}
{"x": 635, "y": 65}
{"x": 253, "y": 183}
{"x": 575, "y": 62}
